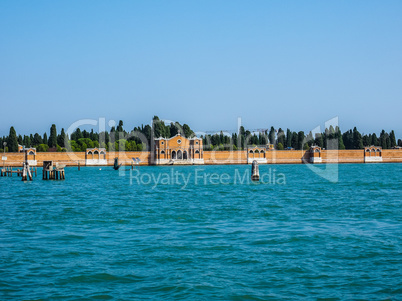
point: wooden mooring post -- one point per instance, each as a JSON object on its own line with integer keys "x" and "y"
{"x": 26, "y": 172}
{"x": 51, "y": 172}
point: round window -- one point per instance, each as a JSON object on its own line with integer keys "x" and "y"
{"x": 162, "y": 143}
{"x": 196, "y": 142}
{"x": 179, "y": 141}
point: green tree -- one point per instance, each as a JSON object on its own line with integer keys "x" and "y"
{"x": 280, "y": 146}
{"x": 271, "y": 135}
{"x": 295, "y": 140}
{"x": 187, "y": 131}
{"x": 392, "y": 138}
{"x": 120, "y": 126}
{"x": 357, "y": 139}
{"x": 300, "y": 140}
{"x": 43, "y": 147}
{"x": 61, "y": 139}
{"x": 37, "y": 139}
{"x": 12, "y": 142}
{"x": 281, "y": 137}
{"x": 288, "y": 138}
{"x": 52, "y": 142}
{"x": 341, "y": 145}
{"x": 27, "y": 141}
{"x": 44, "y": 138}
{"x": 319, "y": 140}
{"x": 374, "y": 139}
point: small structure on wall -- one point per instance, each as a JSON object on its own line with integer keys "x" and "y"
{"x": 30, "y": 155}
{"x": 315, "y": 154}
{"x": 258, "y": 154}
{"x": 372, "y": 154}
{"x": 178, "y": 150}
{"x": 95, "y": 156}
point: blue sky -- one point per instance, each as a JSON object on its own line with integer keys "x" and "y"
{"x": 289, "y": 64}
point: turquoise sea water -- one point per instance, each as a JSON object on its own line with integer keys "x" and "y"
{"x": 100, "y": 236}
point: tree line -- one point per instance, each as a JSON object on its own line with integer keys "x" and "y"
{"x": 331, "y": 138}
{"x": 140, "y": 138}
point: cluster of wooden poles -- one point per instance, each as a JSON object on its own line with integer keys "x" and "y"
{"x": 8, "y": 172}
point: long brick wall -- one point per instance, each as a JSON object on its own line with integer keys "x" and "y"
{"x": 211, "y": 157}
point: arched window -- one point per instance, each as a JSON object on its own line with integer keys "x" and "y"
{"x": 162, "y": 152}
{"x": 179, "y": 155}
{"x": 251, "y": 151}
{"x": 185, "y": 155}
{"x": 173, "y": 154}
{"x": 197, "y": 151}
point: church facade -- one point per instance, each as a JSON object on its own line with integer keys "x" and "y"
{"x": 178, "y": 150}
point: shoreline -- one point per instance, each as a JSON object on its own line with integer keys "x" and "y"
{"x": 210, "y": 158}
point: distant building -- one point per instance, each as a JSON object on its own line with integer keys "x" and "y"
{"x": 258, "y": 153}
{"x": 178, "y": 150}
{"x": 315, "y": 154}
{"x": 95, "y": 156}
{"x": 30, "y": 154}
{"x": 373, "y": 154}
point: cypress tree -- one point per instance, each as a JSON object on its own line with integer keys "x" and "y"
{"x": 61, "y": 139}
{"x": 388, "y": 141}
{"x": 382, "y": 140}
{"x": 44, "y": 138}
{"x": 27, "y": 141}
{"x": 281, "y": 137}
{"x": 319, "y": 140}
{"x": 393, "y": 139}
{"x": 357, "y": 139}
{"x": 20, "y": 140}
{"x": 300, "y": 140}
{"x": 12, "y": 142}
{"x": 53, "y": 136}
{"x": 288, "y": 138}
{"x": 78, "y": 134}
{"x": 120, "y": 126}
{"x": 187, "y": 131}
{"x": 272, "y": 135}
{"x": 374, "y": 139}
{"x": 310, "y": 138}
{"x": 37, "y": 139}
{"x": 295, "y": 140}
{"x": 341, "y": 145}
